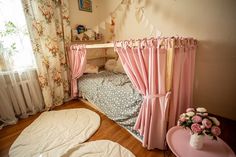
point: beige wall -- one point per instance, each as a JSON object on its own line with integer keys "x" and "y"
{"x": 212, "y": 22}
{"x": 89, "y": 19}
{"x": 100, "y": 10}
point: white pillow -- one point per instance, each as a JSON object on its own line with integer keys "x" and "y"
{"x": 110, "y": 64}
{"x": 91, "y": 68}
{"x": 119, "y": 68}
{"x": 114, "y": 66}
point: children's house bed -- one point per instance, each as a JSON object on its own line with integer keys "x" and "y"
{"x": 156, "y": 70}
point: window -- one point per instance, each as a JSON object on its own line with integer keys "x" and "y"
{"x": 15, "y": 46}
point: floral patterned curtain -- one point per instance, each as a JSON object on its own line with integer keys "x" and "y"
{"x": 49, "y": 27}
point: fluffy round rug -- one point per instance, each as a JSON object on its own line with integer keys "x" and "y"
{"x": 55, "y": 132}
{"x": 100, "y": 148}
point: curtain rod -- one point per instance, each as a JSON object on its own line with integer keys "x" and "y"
{"x": 106, "y": 45}
{"x": 111, "y": 45}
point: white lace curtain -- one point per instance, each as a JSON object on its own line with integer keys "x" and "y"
{"x": 20, "y": 93}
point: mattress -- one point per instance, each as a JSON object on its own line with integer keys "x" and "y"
{"x": 114, "y": 94}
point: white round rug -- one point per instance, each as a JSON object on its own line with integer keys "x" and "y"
{"x": 55, "y": 132}
{"x": 100, "y": 148}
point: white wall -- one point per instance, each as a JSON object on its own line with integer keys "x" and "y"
{"x": 211, "y": 22}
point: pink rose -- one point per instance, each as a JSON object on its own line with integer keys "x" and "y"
{"x": 196, "y": 128}
{"x": 182, "y": 119}
{"x": 196, "y": 119}
{"x": 207, "y": 123}
{"x": 190, "y": 110}
{"x": 215, "y": 130}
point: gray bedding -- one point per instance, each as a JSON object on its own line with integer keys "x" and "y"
{"x": 114, "y": 95}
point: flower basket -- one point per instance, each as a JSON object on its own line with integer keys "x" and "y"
{"x": 200, "y": 124}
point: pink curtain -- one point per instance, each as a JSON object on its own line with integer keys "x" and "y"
{"x": 183, "y": 78}
{"x": 146, "y": 66}
{"x": 77, "y": 59}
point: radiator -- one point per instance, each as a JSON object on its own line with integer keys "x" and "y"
{"x": 20, "y": 95}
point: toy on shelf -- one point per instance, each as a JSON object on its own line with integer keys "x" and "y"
{"x": 81, "y": 33}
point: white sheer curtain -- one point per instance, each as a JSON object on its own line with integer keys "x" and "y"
{"x": 20, "y": 94}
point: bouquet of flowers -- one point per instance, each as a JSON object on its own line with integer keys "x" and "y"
{"x": 200, "y": 123}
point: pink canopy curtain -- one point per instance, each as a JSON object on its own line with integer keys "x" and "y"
{"x": 77, "y": 59}
{"x": 183, "y": 78}
{"x": 150, "y": 67}
{"x": 145, "y": 65}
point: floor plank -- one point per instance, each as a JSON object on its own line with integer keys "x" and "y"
{"x": 108, "y": 130}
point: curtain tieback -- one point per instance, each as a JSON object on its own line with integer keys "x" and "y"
{"x": 156, "y": 95}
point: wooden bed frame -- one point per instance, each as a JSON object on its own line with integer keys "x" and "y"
{"x": 91, "y": 105}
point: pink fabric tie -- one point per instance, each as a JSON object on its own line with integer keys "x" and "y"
{"x": 155, "y": 96}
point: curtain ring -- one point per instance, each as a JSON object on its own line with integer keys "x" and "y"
{"x": 138, "y": 41}
{"x": 134, "y": 42}
{"x": 131, "y": 43}
{"x": 145, "y": 42}
{"x": 122, "y": 43}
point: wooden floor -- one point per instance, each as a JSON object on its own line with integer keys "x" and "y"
{"x": 108, "y": 130}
